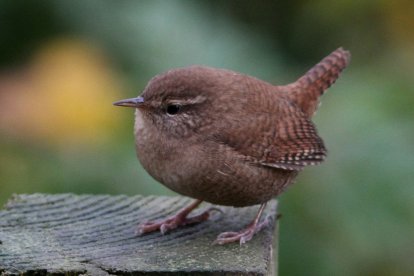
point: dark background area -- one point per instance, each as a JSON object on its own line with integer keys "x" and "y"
{"x": 63, "y": 63}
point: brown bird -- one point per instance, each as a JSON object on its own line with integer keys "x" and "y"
{"x": 227, "y": 138}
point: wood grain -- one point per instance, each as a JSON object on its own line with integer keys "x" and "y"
{"x": 68, "y": 234}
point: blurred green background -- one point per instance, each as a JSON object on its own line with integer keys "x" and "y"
{"x": 63, "y": 63}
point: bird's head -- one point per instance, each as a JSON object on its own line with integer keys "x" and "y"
{"x": 181, "y": 101}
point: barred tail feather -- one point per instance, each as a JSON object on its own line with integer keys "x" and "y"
{"x": 305, "y": 92}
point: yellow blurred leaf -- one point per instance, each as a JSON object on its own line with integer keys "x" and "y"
{"x": 64, "y": 97}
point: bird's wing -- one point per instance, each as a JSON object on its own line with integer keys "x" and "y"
{"x": 284, "y": 139}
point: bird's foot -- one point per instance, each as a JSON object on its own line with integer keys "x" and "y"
{"x": 170, "y": 223}
{"x": 242, "y": 236}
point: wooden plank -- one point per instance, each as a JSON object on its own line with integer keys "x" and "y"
{"x": 70, "y": 234}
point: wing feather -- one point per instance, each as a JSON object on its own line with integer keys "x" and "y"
{"x": 284, "y": 138}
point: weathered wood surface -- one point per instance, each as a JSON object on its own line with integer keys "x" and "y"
{"x": 68, "y": 234}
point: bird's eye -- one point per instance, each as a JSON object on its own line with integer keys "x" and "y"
{"x": 173, "y": 109}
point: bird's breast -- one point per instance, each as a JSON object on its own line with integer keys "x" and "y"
{"x": 159, "y": 155}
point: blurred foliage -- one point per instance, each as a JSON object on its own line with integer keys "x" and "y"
{"x": 62, "y": 64}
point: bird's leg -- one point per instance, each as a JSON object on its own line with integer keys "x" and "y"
{"x": 246, "y": 234}
{"x": 172, "y": 222}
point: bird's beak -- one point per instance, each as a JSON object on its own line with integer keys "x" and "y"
{"x": 133, "y": 102}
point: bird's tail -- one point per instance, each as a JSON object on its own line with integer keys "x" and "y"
{"x": 305, "y": 92}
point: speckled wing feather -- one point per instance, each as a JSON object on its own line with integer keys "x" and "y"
{"x": 285, "y": 138}
{"x": 296, "y": 143}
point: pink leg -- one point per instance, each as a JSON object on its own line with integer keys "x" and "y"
{"x": 246, "y": 234}
{"x": 172, "y": 222}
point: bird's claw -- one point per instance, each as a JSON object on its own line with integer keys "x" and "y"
{"x": 243, "y": 236}
{"x": 151, "y": 226}
{"x": 168, "y": 224}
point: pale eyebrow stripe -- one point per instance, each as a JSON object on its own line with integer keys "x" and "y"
{"x": 196, "y": 100}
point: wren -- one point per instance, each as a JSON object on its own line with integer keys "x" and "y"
{"x": 227, "y": 138}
